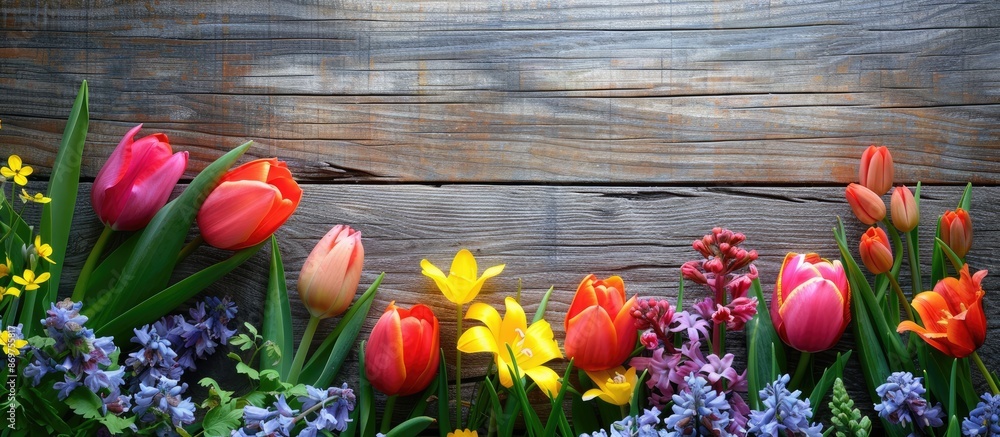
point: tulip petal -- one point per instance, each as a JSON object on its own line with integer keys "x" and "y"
{"x": 590, "y": 338}
{"x": 150, "y": 193}
{"x": 464, "y": 265}
{"x": 594, "y": 393}
{"x": 220, "y": 226}
{"x": 807, "y": 304}
{"x": 931, "y": 307}
{"x": 416, "y": 337}
{"x": 513, "y": 321}
{"x": 279, "y": 213}
{"x": 431, "y": 271}
{"x": 626, "y": 330}
{"x": 546, "y": 379}
{"x": 540, "y": 339}
{"x": 486, "y": 314}
{"x": 384, "y": 354}
{"x": 256, "y": 170}
{"x": 478, "y": 339}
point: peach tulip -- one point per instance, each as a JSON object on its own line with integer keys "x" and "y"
{"x": 136, "y": 181}
{"x": 876, "y": 253}
{"x": 956, "y": 231}
{"x": 811, "y": 304}
{"x": 402, "y": 353}
{"x": 876, "y": 170}
{"x": 249, "y": 204}
{"x": 867, "y": 206}
{"x": 600, "y": 330}
{"x": 905, "y": 214}
{"x": 330, "y": 275}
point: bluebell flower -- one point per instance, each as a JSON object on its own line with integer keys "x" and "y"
{"x": 98, "y": 379}
{"x": 164, "y": 399}
{"x": 699, "y": 409}
{"x": 267, "y": 422}
{"x": 984, "y": 420}
{"x": 156, "y": 358}
{"x": 785, "y": 415}
{"x": 116, "y": 403}
{"x": 337, "y": 403}
{"x": 903, "y": 402}
{"x": 66, "y": 386}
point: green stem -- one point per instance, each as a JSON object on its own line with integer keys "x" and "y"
{"x": 911, "y": 248}
{"x": 624, "y": 410}
{"x": 986, "y": 373}
{"x": 300, "y": 353}
{"x": 902, "y": 298}
{"x": 390, "y": 404}
{"x": 80, "y": 291}
{"x": 800, "y": 369}
{"x": 190, "y": 247}
{"x": 458, "y": 374}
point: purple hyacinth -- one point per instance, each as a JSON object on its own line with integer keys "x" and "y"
{"x": 984, "y": 420}
{"x": 699, "y": 410}
{"x": 903, "y": 402}
{"x": 322, "y": 411}
{"x": 163, "y": 400}
{"x": 785, "y": 415}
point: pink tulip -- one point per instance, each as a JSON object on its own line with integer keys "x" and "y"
{"x": 811, "y": 305}
{"x": 330, "y": 275}
{"x": 249, "y": 204}
{"x": 136, "y": 181}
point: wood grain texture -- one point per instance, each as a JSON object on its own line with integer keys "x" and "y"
{"x": 565, "y": 91}
{"x": 554, "y": 236}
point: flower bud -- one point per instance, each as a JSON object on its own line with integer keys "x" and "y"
{"x": 402, "y": 354}
{"x": 330, "y": 275}
{"x": 867, "y": 206}
{"x": 811, "y": 305}
{"x": 877, "y": 170}
{"x": 956, "y": 231}
{"x": 905, "y": 214}
{"x": 875, "y": 251}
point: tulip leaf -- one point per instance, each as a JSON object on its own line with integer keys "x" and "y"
{"x": 826, "y": 382}
{"x": 966, "y": 201}
{"x": 366, "y": 394}
{"x": 443, "y": 400}
{"x": 156, "y": 253}
{"x": 410, "y": 427}
{"x": 104, "y": 276}
{"x": 956, "y": 261}
{"x": 761, "y": 336}
{"x": 531, "y": 420}
{"x": 557, "y": 415}
{"x": 57, "y": 215}
{"x": 938, "y": 366}
{"x": 326, "y": 361}
{"x": 952, "y": 398}
{"x": 540, "y": 312}
{"x": 277, "y": 325}
{"x": 169, "y": 298}
{"x": 938, "y": 268}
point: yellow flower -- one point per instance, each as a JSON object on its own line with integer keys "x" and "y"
{"x": 613, "y": 386}
{"x": 16, "y": 170}
{"x": 44, "y": 250}
{"x": 13, "y": 291}
{"x": 11, "y": 345}
{"x": 532, "y": 346}
{"x": 461, "y": 285}
{"x": 37, "y": 198}
{"x": 5, "y": 268}
{"x": 30, "y": 281}
{"x": 463, "y": 433}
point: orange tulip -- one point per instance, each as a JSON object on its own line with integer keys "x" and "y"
{"x": 249, "y": 204}
{"x": 953, "y": 317}
{"x": 867, "y": 206}
{"x": 402, "y": 354}
{"x": 876, "y": 170}
{"x": 956, "y": 231}
{"x": 600, "y": 329}
{"x": 811, "y": 305}
{"x": 905, "y": 214}
{"x": 330, "y": 275}
{"x": 875, "y": 250}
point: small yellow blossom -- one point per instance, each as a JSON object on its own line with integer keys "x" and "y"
{"x": 463, "y": 433}
{"x": 614, "y": 386}
{"x": 37, "y": 198}
{"x": 12, "y": 291}
{"x": 44, "y": 250}
{"x": 11, "y": 344}
{"x": 30, "y": 281}
{"x": 462, "y": 284}
{"x": 16, "y": 171}
{"x": 5, "y": 268}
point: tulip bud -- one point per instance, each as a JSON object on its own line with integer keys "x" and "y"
{"x": 402, "y": 353}
{"x": 956, "y": 231}
{"x": 136, "y": 181}
{"x": 905, "y": 214}
{"x": 811, "y": 305}
{"x": 249, "y": 204}
{"x": 330, "y": 275}
{"x": 877, "y": 170}
{"x": 600, "y": 329}
{"x": 875, "y": 251}
{"x": 867, "y": 206}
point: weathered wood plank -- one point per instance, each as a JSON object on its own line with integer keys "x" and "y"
{"x": 562, "y": 91}
{"x": 554, "y": 236}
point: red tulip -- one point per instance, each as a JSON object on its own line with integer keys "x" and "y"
{"x": 600, "y": 330}
{"x": 249, "y": 204}
{"x": 956, "y": 231}
{"x": 136, "y": 181}
{"x": 953, "y": 317}
{"x": 875, "y": 251}
{"x": 402, "y": 353}
{"x": 867, "y": 206}
{"x": 876, "y": 170}
{"x": 905, "y": 214}
{"x": 330, "y": 275}
{"x": 811, "y": 305}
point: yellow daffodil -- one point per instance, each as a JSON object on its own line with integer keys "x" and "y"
{"x": 461, "y": 285}
{"x": 614, "y": 386}
{"x": 463, "y": 433}
{"x": 37, "y": 198}
{"x": 11, "y": 345}
{"x": 12, "y": 291}
{"x": 44, "y": 250}
{"x": 16, "y": 171}
{"x": 532, "y": 346}
{"x": 30, "y": 281}
{"x": 5, "y": 268}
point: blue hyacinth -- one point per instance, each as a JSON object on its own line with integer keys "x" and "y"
{"x": 163, "y": 400}
{"x": 903, "y": 402}
{"x": 984, "y": 420}
{"x": 699, "y": 409}
{"x": 785, "y": 415}
{"x": 280, "y": 419}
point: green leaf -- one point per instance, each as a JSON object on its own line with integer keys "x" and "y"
{"x": 540, "y": 312}
{"x": 106, "y": 274}
{"x": 248, "y": 371}
{"x": 557, "y": 415}
{"x": 148, "y": 269}
{"x": 956, "y": 261}
{"x": 366, "y": 398}
{"x": 938, "y": 268}
{"x": 277, "y": 324}
{"x": 966, "y": 201}
{"x": 57, "y": 215}
{"x": 222, "y": 420}
{"x": 165, "y": 301}
{"x": 85, "y": 403}
{"x": 825, "y": 382}
{"x": 326, "y": 361}
{"x": 443, "y": 400}
{"x": 531, "y": 420}
{"x": 411, "y": 427}
{"x": 761, "y": 337}
{"x": 118, "y": 425}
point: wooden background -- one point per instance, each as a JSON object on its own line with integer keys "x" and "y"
{"x": 559, "y": 137}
